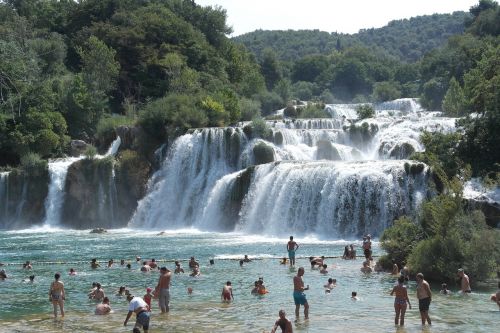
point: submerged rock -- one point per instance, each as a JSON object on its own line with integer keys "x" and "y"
{"x": 327, "y": 151}
{"x": 98, "y": 231}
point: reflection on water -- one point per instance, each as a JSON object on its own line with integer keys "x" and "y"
{"x": 25, "y": 307}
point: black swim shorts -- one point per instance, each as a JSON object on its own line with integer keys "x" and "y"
{"x": 424, "y": 303}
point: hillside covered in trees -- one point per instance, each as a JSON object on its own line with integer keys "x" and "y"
{"x": 406, "y": 40}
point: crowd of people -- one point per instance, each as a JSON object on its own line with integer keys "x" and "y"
{"x": 141, "y": 306}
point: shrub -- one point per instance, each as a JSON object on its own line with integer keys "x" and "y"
{"x": 365, "y": 111}
{"x": 90, "y": 152}
{"x": 313, "y": 111}
{"x": 33, "y": 165}
{"x": 290, "y": 112}
{"x": 107, "y": 125}
{"x": 258, "y": 128}
{"x": 400, "y": 239}
{"x": 249, "y": 108}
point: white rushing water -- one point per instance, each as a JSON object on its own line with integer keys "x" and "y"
{"x": 58, "y": 169}
{"x": 205, "y": 181}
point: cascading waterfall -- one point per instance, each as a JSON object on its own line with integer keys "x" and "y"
{"x": 58, "y": 169}
{"x": 207, "y": 179}
{"x": 4, "y": 195}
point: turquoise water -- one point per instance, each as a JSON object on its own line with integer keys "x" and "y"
{"x": 25, "y": 306}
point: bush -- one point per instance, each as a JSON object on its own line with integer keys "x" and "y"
{"x": 313, "y": 111}
{"x": 290, "y": 112}
{"x": 258, "y": 128}
{"x": 400, "y": 239}
{"x": 365, "y": 111}
{"x": 249, "y": 108}
{"x": 90, "y": 152}
{"x": 106, "y": 127}
{"x": 33, "y": 165}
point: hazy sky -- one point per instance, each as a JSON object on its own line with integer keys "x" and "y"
{"x": 347, "y": 16}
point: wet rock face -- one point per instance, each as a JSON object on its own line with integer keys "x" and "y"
{"x": 263, "y": 153}
{"x": 128, "y": 134}
{"x": 78, "y": 147}
{"x": 23, "y": 199}
{"x": 491, "y": 210}
{"x": 326, "y": 151}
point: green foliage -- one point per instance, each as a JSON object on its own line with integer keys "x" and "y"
{"x": 259, "y": 128}
{"x": 249, "y": 108}
{"x": 400, "y": 239}
{"x": 270, "y": 102}
{"x": 107, "y": 126}
{"x": 215, "y": 111}
{"x": 270, "y": 68}
{"x": 90, "y": 152}
{"x": 33, "y": 165}
{"x": 312, "y": 110}
{"x": 386, "y": 91}
{"x": 454, "y": 100}
{"x": 365, "y": 111}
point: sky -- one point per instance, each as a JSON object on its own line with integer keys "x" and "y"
{"x": 343, "y": 16}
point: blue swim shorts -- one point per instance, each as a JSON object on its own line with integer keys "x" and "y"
{"x": 291, "y": 254}
{"x": 143, "y": 319}
{"x": 299, "y": 298}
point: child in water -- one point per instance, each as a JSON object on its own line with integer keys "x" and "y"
{"x": 227, "y": 292}
{"x": 148, "y": 297}
{"x": 444, "y": 289}
{"x": 354, "y": 296}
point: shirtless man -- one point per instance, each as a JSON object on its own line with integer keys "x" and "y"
{"x": 424, "y": 296}
{"x": 56, "y": 294}
{"x": 103, "y": 308}
{"x": 145, "y": 267}
{"x": 193, "y": 263}
{"x": 97, "y": 293}
{"x": 283, "y": 323}
{"x": 367, "y": 247}
{"x": 366, "y": 268}
{"x": 316, "y": 261}
{"x": 162, "y": 289}
{"x": 298, "y": 294}
{"x": 464, "y": 282}
{"x": 246, "y": 259}
{"x": 140, "y": 308}
{"x": 291, "y": 247}
{"x": 94, "y": 264}
{"x": 227, "y": 292}
{"x": 178, "y": 268}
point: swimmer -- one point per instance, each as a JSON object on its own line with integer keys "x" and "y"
{"x": 72, "y": 271}
{"x": 261, "y": 288}
{"x": 129, "y": 266}
{"x": 190, "y": 290}
{"x": 352, "y": 252}
{"x": 178, "y": 268}
{"x": 354, "y": 296}
{"x": 148, "y": 297}
{"x": 27, "y": 265}
{"x": 196, "y": 272}
{"x": 246, "y": 259}
{"x": 3, "y": 274}
{"x": 57, "y": 294}
{"x": 464, "y": 282}
{"x": 110, "y": 263}
{"x": 424, "y": 296}
{"x": 227, "y": 292}
{"x": 30, "y": 279}
{"x": 444, "y": 289}
{"x": 122, "y": 262}
{"x": 255, "y": 290}
{"x": 193, "y": 263}
{"x": 121, "y": 291}
{"x": 94, "y": 264}
{"x": 104, "y": 308}
{"x": 366, "y": 268}
{"x": 145, "y": 267}
{"x": 400, "y": 301}
{"x": 98, "y": 293}
{"x": 299, "y": 297}
{"x": 330, "y": 285}
{"x": 153, "y": 264}
{"x": 292, "y": 247}
{"x": 283, "y": 261}
{"x": 323, "y": 269}
{"x": 283, "y": 323}
{"x": 241, "y": 263}
{"x": 316, "y": 261}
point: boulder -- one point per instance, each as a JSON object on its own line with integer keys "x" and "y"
{"x": 263, "y": 153}
{"x": 128, "y": 135}
{"x": 98, "y": 231}
{"x": 327, "y": 151}
{"x": 78, "y": 147}
{"x": 402, "y": 151}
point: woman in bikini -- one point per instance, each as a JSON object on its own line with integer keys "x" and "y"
{"x": 57, "y": 294}
{"x": 400, "y": 301}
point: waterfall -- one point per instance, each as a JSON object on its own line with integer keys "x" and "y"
{"x": 58, "y": 169}
{"x": 115, "y": 145}
{"x": 4, "y": 195}
{"x": 207, "y": 179}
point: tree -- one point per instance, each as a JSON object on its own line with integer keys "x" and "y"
{"x": 386, "y": 91}
{"x": 454, "y": 100}
{"x": 270, "y": 68}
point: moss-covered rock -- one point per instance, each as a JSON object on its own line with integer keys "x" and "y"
{"x": 278, "y": 138}
{"x": 327, "y": 151}
{"x": 361, "y": 134}
{"x": 402, "y": 151}
{"x": 263, "y": 153}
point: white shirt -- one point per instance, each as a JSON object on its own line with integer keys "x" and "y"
{"x": 136, "y": 303}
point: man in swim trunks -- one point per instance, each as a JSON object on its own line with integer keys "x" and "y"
{"x": 104, "y": 308}
{"x": 298, "y": 294}
{"x": 283, "y": 323}
{"x": 424, "y": 296}
{"x": 227, "y": 292}
{"x": 291, "y": 247}
{"x": 464, "y": 281}
{"x": 56, "y": 294}
{"x": 367, "y": 247}
{"x": 162, "y": 289}
{"x": 140, "y": 308}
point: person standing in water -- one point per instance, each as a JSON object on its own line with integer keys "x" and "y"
{"x": 299, "y": 297}
{"x": 140, "y": 308}
{"x": 283, "y": 323}
{"x": 227, "y": 292}
{"x": 291, "y": 247}
{"x": 424, "y": 296}
{"x": 400, "y": 301}
{"x": 162, "y": 289}
{"x": 464, "y": 282}
{"x": 57, "y": 294}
